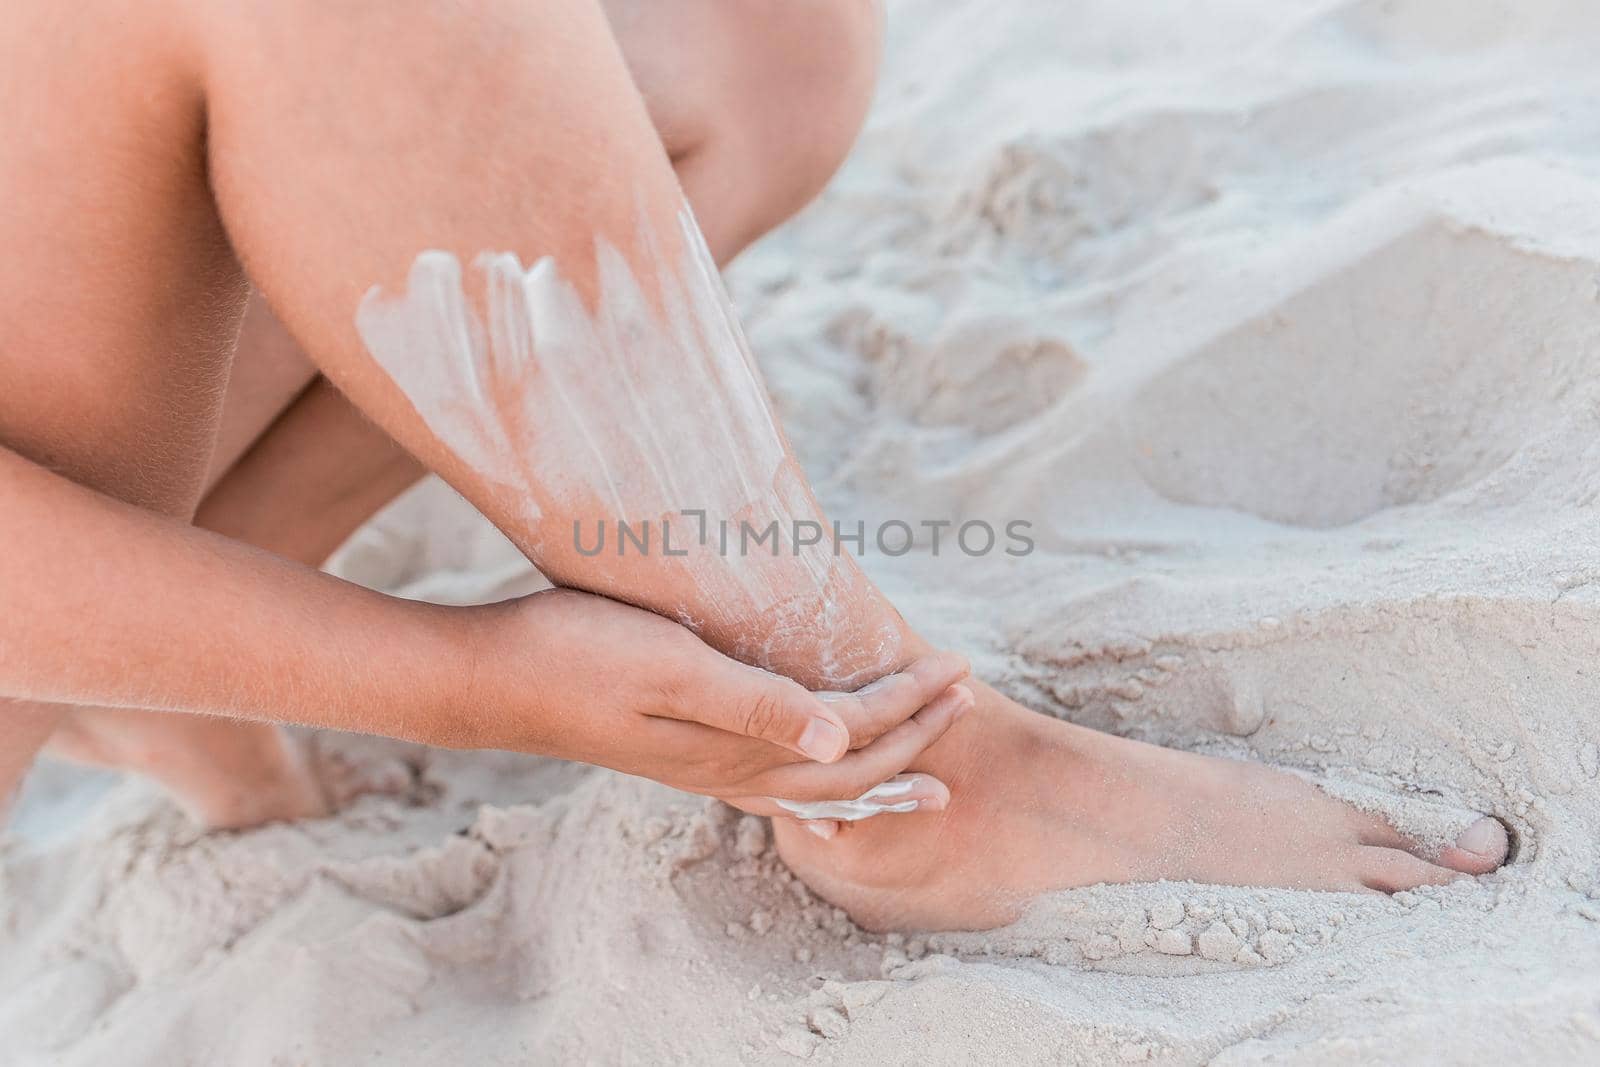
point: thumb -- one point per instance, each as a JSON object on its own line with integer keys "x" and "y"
{"x": 767, "y": 707}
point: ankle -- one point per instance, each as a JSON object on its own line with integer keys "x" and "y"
{"x": 984, "y": 746}
{"x": 975, "y": 757}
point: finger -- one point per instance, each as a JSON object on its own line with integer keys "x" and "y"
{"x": 754, "y": 703}
{"x": 876, "y": 708}
{"x": 871, "y": 766}
{"x": 901, "y": 794}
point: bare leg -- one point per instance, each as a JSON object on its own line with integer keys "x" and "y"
{"x": 297, "y": 469}
{"x": 119, "y": 329}
{"x": 1037, "y": 804}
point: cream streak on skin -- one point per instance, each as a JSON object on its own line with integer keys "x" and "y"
{"x": 641, "y": 408}
{"x": 879, "y": 800}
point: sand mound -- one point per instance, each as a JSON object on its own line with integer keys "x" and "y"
{"x": 1281, "y": 321}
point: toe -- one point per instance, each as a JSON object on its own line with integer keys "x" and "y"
{"x": 1480, "y": 849}
{"x": 1371, "y": 829}
{"x": 1390, "y": 870}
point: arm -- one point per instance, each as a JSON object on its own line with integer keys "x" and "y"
{"x": 93, "y": 585}
{"x": 128, "y": 608}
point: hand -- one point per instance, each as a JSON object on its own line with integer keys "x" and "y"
{"x": 581, "y": 677}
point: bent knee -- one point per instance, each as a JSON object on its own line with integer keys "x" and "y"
{"x": 760, "y": 101}
{"x": 804, "y": 89}
{"x": 813, "y": 72}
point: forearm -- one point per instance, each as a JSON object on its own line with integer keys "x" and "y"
{"x": 109, "y": 604}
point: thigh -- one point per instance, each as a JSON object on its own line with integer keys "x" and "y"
{"x": 120, "y": 296}
{"x": 119, "y": 292}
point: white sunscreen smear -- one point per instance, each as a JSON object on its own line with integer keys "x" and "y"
{"x": 879, "y": 800}
{"x": 638, "y": 411}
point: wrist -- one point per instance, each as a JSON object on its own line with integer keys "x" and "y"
{"x": 490, "y": 663}
{"x": 436, "y": 667}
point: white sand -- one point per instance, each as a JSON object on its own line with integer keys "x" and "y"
{"x": 1281, "y": 320}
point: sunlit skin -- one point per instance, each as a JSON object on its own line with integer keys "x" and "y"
{"x": 213, "y": 627}
{"x": 312, "y": 150}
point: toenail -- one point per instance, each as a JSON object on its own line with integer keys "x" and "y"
{"x": 1486, "y": 837}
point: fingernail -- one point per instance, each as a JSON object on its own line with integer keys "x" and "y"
{"x": 965, "y": 700}
{"x": 823, "y": 828}
{"x": 823, "y": 741}
{"x": 1486, "y": 837}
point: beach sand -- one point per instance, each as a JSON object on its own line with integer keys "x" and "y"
{"x": 1280, "y": 321}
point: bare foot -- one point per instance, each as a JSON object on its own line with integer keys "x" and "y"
{"x": 227, "y": 774}
{"x": 1038, "y": 804}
